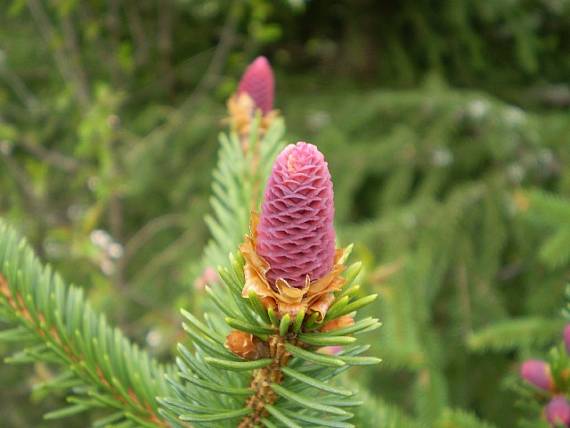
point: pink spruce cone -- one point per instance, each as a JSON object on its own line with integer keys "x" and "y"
{"x": 567, "y": 338}
{"x": 537, "y": 373}
{"x": 557, "y": 411}
{"x": 295, "y": 234}
{"x": 258, "y": 83}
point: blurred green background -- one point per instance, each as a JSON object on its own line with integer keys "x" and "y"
{"x": 437, "y": 119}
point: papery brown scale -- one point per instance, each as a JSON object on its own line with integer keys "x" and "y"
{"x": 245, "y": 345}
{"x": 340, "y": 322}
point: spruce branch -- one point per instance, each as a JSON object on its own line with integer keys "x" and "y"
{"x": 244, "y": 161}
{"x": 283, "y": 379}
{"x": 552, "y": 212}
{"x": 236, "y": 182}
{"x": 460, "y": 418}
{"x": 266, "y": 354}
{"x": 54, "y": 324}
{"x": 515, "y": 334}
{"x": 375, "y": 413}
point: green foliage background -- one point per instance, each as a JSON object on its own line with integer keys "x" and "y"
{"x": 446, "y": 128}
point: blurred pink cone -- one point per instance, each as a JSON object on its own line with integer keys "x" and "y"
{"x": 537, "y": 373}
{"x": 557, "y": 411}
{"x": 258, "y": 82}
{"x": 256, "y": 91}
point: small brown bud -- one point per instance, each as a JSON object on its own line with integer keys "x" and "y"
{"x": 341, "y": 322}
{"x": 246, "y": 345}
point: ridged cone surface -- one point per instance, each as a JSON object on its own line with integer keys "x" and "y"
{"x": 295, "y": 234}
{"x": 258, "y": 82}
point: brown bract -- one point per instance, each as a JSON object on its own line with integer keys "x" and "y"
{"x": 246, "y": 345}
{"x": 340, "y": 322}
{"x": 314, "y": 296}
{"x": 242, "y": 112}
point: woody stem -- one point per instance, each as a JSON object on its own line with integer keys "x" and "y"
{"x": 262, "y": 380}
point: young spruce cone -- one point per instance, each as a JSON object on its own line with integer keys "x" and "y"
{"x": 291, "y": 261}
{"x": 537, "y": 373}
{"x": 295, "y": 233}
{"x": 255, "y": 92}
{"x": 259, "y": 84}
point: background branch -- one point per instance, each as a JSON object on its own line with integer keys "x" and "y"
{"x": 48, "y": 33}
{"x": 52, "y": 157}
